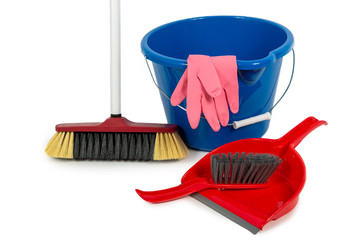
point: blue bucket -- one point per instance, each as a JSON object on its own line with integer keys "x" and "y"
{"x": 259, "y": 46}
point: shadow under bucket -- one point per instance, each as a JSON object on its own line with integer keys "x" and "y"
{"x": 259, "y": 46}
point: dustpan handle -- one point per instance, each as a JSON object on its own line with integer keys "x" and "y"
{"x": 169, "y": 194}
{"x": 298, "y": 133}
{"x": 115, "y": 76}
{"x": 189, "y": 187}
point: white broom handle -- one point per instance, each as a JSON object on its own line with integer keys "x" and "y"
{"x": 115, "y": 76}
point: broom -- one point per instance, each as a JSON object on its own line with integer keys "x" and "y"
{"x": 116, "y": 138}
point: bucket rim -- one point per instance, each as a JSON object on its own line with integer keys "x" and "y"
{"x": 178, "y": 63}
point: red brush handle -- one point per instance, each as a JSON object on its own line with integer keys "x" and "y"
{"x": 183, "y": 190}
{"x": 188, "y": 188}
{"x": 298, "y": 133}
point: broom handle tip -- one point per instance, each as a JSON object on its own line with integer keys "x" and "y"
{"x": 115, "y": 60}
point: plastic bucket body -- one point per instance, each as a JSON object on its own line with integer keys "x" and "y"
{"x": 258, "y": 45}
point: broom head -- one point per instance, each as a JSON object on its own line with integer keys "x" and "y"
{"x": 117, "y": 139}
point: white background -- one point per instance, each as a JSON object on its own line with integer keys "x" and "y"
{"x": 54, "y": 68}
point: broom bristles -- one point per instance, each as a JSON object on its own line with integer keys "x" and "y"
{"x": 61, "y": 145}
{"x": 117, "y": 146}
{"x": 169, "y": 146}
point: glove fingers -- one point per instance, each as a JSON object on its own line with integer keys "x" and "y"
{"x": 222, "y": 109}
{"x": 180, "y": 91}
{"x": 208, "y": 108}
{"x": 226, "y": 68}
{"x": 193, "y": 107}
{"x": 194, "y": 113}
{"x": 232, "y": 95}
{"x": 206, "y": 73}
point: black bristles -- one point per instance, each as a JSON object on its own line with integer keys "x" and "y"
{"x": 124, "y": 146}
{"x": 246, "y": 169}
{"x": 90, "y": 146}
{"x": 215, "y": 158}
{"x": 103, "y": 144}
{"x": 227, "y": 160}
{"x": 275, "y": 163}
{"x": 132, "y": 146}
{"x": 138, "y": 146}
{"x": 221, "y": 168}
{"x": 83, "y": 145}
{"x": 110, "y": 145}
{"x": 96, "y": 150}
{"x": 146, "y": 147}
{"x": 235, "y": 167}
{"x": 114, "y": 146}
{"x": 241, "y": 168}
{"x": 249, "y": 167}
{"x": 261, "y": 169}
{"x": 117, "y": 146}
{"x": 76, "y": 150}
{"x": 152, "y": 138}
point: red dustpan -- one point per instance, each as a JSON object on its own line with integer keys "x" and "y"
{"x": 254, "y": 208}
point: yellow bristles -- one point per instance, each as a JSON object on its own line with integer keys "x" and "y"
{"x": 169, "y": 146}
{"x": 61, "y": 145}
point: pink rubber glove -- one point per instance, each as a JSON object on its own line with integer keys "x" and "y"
{"x": 208, "y": 91}
{"x": 199, "y": 84}
{"x": 226, "y": 68}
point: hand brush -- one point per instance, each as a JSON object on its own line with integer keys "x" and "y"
{"x": 228, "y": 171}
{"x": 117, "y": 138}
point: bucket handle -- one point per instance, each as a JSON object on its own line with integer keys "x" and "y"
{"x": 243, "y": 122}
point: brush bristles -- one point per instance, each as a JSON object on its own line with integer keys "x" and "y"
{"x": 243, "y": 169}
{"x": 117, "y": 146}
